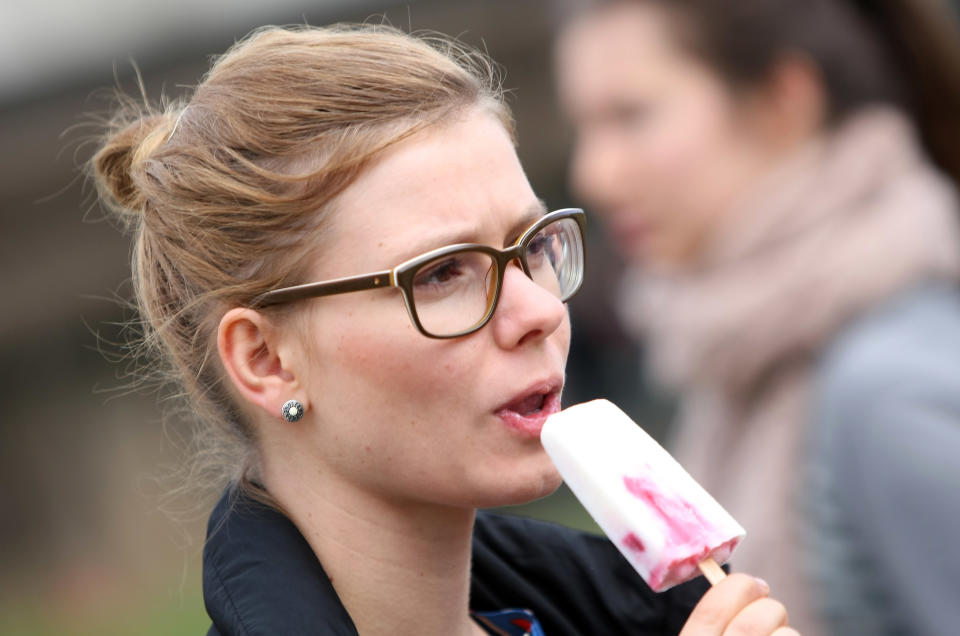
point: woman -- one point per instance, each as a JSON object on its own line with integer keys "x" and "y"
{"x": 360, "y": 431}
{"x": 774, "y": 173}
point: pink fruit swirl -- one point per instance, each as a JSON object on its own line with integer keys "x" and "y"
{"x": 690, "y": 538}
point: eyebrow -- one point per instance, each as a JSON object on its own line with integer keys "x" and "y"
{"x": 528, "y": 217}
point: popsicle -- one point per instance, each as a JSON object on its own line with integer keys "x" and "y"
{"x": 665, "y": 524}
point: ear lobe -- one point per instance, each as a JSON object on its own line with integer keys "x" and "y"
{"x": 250, "y": 355}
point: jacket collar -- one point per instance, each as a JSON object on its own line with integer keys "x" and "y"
{"x": 260, "y": 576}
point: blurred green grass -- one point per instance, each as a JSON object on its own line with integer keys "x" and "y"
{"x": 171, "y": 608}
{"x": 560, "y": 507}
{"x": 172, "y": 604}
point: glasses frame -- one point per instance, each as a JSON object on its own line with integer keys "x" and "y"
{"x": 403, "y": 274}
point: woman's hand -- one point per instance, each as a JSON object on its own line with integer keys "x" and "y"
{"x": 738, "y": 605}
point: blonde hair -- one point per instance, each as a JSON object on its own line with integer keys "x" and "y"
{"x": 227, "y": 191}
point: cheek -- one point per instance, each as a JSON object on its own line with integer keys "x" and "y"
{"x": 602, "y": 164}
{"x": 683, "y": 149}
{"x": 382, "y": 374}
{"x": 687, "y": 160}
{"x": 400, "y": 369}
{"x": 397, "y": 371}
{"x": 381, "y": 393}
{"x": 409, "y": 415}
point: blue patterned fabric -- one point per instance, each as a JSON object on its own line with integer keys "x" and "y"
{"x": 510, "y": 622}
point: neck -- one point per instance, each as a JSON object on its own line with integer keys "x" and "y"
{"x": 395, "y": 566}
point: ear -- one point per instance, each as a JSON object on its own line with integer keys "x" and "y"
{"x": 260, "y": 367}
{"x": 793, "y": 101}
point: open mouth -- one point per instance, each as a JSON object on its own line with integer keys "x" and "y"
{"x": 529, "y": 411}
{"x": 530, "y": 405}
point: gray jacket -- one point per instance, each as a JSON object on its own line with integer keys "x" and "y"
{"x": 884, "y": 470}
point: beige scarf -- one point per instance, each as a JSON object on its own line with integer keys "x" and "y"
{"x": 845, "y": 223}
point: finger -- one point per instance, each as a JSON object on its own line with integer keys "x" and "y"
{"x": 786, "y": 631}
{"x": 722, "y": 602}
{"x": 762, "y": 616}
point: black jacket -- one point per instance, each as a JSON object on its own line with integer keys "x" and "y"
{"x": 260, "y": 578}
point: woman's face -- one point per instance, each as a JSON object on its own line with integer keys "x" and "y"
{"x": 663, "y": 148}
{"x": 415, "y": 419}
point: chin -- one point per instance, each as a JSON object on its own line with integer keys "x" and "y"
{"x": 522, "y": 491}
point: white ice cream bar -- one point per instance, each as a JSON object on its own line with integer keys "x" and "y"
{"x": 660, "y": 518}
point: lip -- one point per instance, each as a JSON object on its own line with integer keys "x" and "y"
{"x": 529, "y": 425}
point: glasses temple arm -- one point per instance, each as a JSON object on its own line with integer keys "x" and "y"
{"x": 326, "y": 288}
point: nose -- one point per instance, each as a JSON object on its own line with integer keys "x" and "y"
{"x": 526, "y": 311}
{"x": 595, "y": 167}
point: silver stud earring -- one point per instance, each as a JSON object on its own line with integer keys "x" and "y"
{"x": 292, "y": 410}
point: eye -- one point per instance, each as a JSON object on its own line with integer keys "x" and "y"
{"x": 439, "y": 273}
{"x": 539, "y": 244}
{"x": 541, "y": 250}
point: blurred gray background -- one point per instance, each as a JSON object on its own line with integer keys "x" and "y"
{"x": 85, "y": 545}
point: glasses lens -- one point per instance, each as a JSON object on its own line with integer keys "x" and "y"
{"x": 453, "y": 292}
{"x": 555, "y": 258}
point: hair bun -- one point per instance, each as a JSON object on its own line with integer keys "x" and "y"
{"x": 118, "y": 165}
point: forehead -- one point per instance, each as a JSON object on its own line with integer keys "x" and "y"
{"x": 461, "y": 182}
{"x": 616, "y": 49}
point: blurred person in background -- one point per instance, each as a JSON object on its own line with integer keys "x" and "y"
{"x": 781, "y": 177}
{"x": 359, "y": 432}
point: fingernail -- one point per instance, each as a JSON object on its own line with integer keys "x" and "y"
{"x": 763, "y": 585}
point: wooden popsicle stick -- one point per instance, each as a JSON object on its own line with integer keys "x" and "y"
{"x": 712, "y": 571}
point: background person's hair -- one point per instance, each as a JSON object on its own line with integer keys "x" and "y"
{"x": 227, "y": 189}
{"x": 905, "y": 52}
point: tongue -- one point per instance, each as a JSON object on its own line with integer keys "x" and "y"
{"x": 529, "y": 405}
